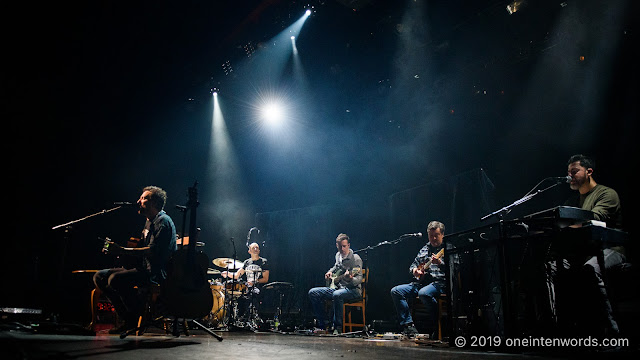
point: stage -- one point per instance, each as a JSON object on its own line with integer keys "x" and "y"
{"x": 261, "y": 345}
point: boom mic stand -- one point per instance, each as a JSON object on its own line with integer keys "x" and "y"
{"x": 365, "y": 331}
{"x": 504, "y": 277}
{"x": 67, "y": 230}
{"x": 231, "y": 325}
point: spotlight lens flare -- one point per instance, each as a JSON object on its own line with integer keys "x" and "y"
{"x": 273, "y": 113}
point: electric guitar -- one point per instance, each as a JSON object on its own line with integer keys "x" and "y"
{"x": 339, "y": 274}
{"x": 427, "y": 264}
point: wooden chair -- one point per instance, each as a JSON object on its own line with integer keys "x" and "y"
{"x": 442, "y": 313}
{"x": 418, "y": 311}
{"x": 347, "y": 308}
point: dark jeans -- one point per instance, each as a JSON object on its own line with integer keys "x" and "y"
{"x": 401, "y": 294}
{"x": 319, "y": 295}
{"x": 117, "y": 285}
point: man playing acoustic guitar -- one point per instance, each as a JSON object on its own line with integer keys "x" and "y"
{"x": 344, "y": 281}
{"x": 158, "y": 243}
{"x": 427, "y": 270}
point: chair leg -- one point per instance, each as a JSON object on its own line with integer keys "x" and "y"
{"x": 95, "y": 297}
{"x": 442, "y": 311}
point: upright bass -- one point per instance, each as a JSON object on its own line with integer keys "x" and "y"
{"x": 186, "y": 291}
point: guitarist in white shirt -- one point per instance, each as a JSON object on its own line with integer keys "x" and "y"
{"x": 346, "y": 285}
{"x": 427, "y": 270}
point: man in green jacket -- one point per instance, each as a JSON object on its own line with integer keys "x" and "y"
{"x": 604, "y": 202}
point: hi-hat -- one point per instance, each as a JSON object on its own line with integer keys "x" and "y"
{"x": 211, "y": 271}
{"x": 227, "y": 263}
{"x": 278, "y": 285}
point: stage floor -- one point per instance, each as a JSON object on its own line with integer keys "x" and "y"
{"x": 249, "y": 345}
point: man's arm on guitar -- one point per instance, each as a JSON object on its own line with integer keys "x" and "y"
{"x": 415, "y": 268}
{"x": 357, "y": 278}
{"x": 116, "y": 248}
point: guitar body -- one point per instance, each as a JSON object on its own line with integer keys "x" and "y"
{"x": 186, "y": 290}
{"x": 332, "y": 282}
{"x": 338, "y": 275}
{"x": 426, "y": 265}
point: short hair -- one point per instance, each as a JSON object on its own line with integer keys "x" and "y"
{"x": 585, "y": 161}
{"x": 436, "y": 225}
{"x": 343, "y": 236}
{"x": 158, "y": 196}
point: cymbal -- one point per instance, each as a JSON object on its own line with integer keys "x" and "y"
{"x": 227, "y": 263}
{"x": 278, "y": 285}
{"x": 211, "y": 271}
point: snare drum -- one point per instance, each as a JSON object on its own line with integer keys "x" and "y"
{"x": 216, "y": 285}
{"x": 236, "y": 288}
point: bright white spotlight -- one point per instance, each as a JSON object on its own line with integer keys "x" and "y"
{"x": 308, "y": 12}
{"x": 273, "y": 113}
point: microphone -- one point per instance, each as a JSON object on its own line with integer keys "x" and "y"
{"x": 566, "y": 179}
{"x": 249, "y": 234}
{"x": 418, "y": 234}
{"x": 124, "y": 203}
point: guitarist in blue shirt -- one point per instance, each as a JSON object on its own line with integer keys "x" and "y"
{"x": 427, "y": 270}
{"x": 344, "y": 281}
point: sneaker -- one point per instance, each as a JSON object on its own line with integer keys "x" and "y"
{"x": 319, "y": 331}
{"x": 410, "y": 331}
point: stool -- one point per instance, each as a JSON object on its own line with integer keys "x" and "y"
{"x": 417, "y": 310}
{"x": 150, "y": 313}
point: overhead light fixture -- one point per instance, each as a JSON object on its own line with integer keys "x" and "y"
{"x": 514, "y": 6}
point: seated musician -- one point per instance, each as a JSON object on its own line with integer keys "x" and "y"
{"x": 254, "y": 272}
{"x": 604, "y": 202}
{"x": 346, "y": 285}
{"x": 428, "y": 284}
{"x": 158, "y": 242}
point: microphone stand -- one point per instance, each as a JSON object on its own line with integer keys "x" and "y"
{"x": 232, "y": 316}
{"x": 365, "y": 331}
{"x": 67, "y": 230}
{"x": 504, "y": 277}
{"x": 530, "y": 195}
{"x": 86, "y": 217}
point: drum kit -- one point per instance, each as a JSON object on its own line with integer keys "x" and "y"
{"x": 231, "y": 296}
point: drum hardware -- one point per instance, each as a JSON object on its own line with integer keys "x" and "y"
{"x": 280, "y": 287}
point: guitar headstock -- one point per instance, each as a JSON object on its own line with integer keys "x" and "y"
{"x": 105, "y": 245}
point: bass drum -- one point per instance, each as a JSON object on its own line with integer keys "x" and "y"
{"x": 217, "y": 314}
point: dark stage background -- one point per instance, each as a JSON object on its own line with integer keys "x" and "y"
{"x": 406, "y": 111}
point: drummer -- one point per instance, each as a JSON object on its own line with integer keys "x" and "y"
{"x": 254, "y": 272}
